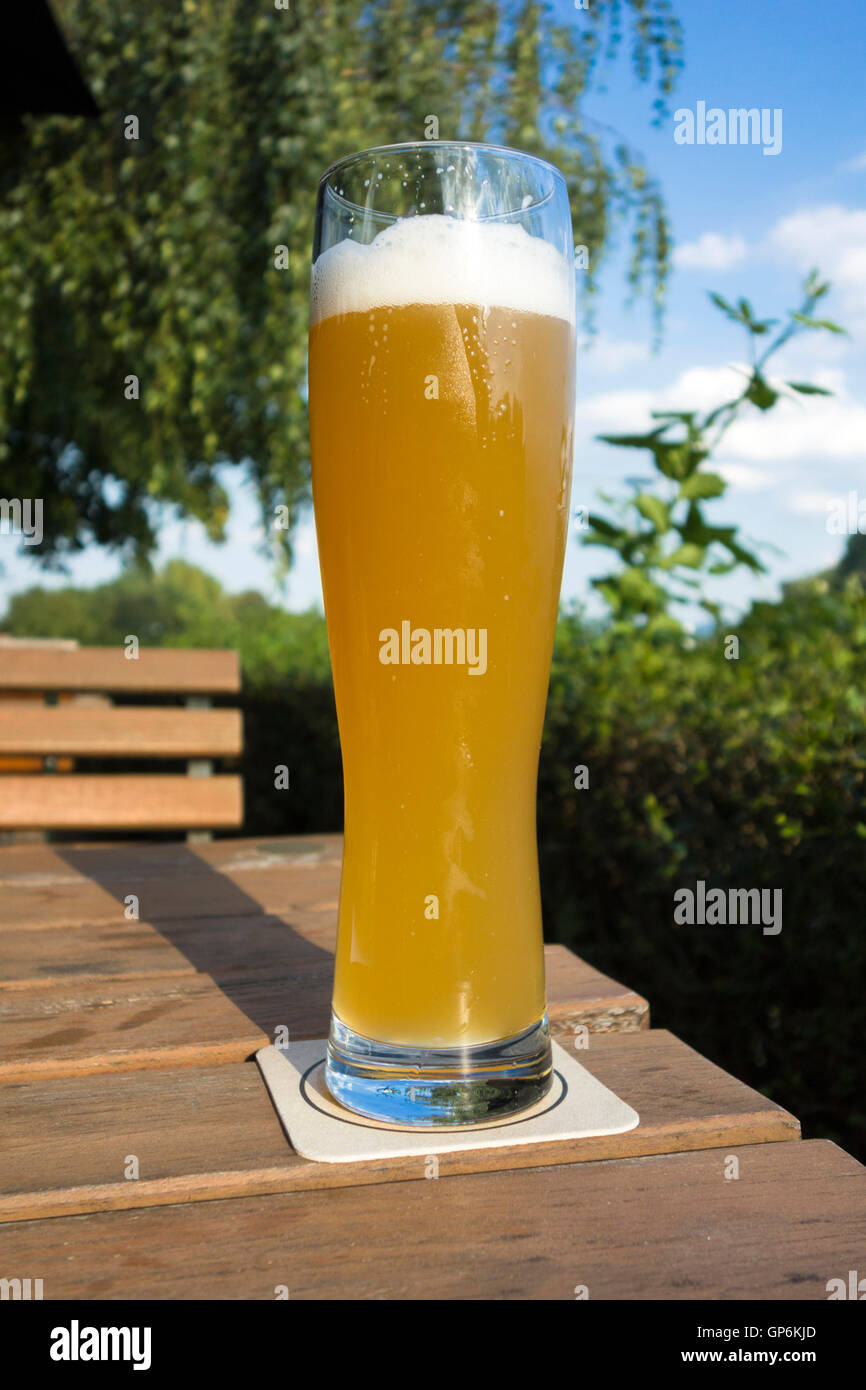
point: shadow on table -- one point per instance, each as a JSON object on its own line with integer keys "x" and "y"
{"x": 267, "y": 965}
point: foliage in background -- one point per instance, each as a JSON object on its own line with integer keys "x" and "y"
{"x": 746, "y": 773}
{"x": 668, "y": 540}
{"x": 155, "y": 256}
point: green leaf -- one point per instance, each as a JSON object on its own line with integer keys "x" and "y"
{"x": 587, "y": 538}
{"x": 692, "y": 556}
{"x": 654, "y": 510}
{"x": 815, "y": 288}
{"x": 686, "y": 416}
{"x": 743, "y": 556}
{"x": 703, "y": 485}
{"x": 760, "y": 393}
{"x": 678, "y": 461}
{"x": 806, "y": 390}
{"x": 640, "y": 591}
{"x": 754, "y": 325}
{"x": 743, "y": 314}
{"x": 605, "y": 528}
{"x": 818, "y": 323}
{"x": 725, "y": 307}
{"x": 633, "y": 441}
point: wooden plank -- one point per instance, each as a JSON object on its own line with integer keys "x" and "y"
{"x": 67, "y": 1027}
{"x": 231, "y": 944}
{"x": 118, "y": 733}
{"x": 100, "y": 861}
{"x": 202, "y": 1134}
{"x": 53, "y": 888}
{"x": 77, "y": 801}
{"x": 171, "y": 670}
{"x": 66, "y": 885}
{"x": 666, "y": 1227}
{"x": 130, "y": 950}
{"x": 154, "y": 1023}
{"x": 72, "y": 900}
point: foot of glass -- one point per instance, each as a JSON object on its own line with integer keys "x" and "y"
{"x": 431, "y": 1087}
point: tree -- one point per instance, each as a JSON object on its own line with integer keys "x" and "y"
{"x": 853, "y": 562}
{"x": 146, "y": 334}
{"x": 178, "y": 606}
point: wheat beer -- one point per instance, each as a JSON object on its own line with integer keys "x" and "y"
{"x": 441, "y": 378}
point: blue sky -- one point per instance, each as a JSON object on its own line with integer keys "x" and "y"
{"x": 747, "y": 224}
{"x": 744, "y": 224}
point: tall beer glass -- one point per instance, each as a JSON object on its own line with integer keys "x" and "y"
{"x": 441, "y": 392}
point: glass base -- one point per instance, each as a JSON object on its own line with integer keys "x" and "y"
{"x": 436, "y": 1086}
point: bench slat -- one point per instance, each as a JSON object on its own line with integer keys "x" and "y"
{"x": 118, "y": 733}
{"x": 99, "y": 801}
{"x": 167, "y": 669}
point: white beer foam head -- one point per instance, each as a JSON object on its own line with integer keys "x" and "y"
{"x": 443, "y": 260}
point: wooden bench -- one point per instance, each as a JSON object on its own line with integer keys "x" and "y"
{"x": 39, "y": 719}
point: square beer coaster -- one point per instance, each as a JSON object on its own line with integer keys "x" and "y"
{"x": 577, "y": 1107}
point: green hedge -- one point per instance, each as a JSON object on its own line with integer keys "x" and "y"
{"x": 743, "y": 773}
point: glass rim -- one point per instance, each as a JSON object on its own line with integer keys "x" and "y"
{"x": 509, "y": 150}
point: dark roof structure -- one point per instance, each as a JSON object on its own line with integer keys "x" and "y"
{"x": 38, "y": 75}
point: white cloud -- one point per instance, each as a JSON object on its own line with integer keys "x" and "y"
{"x": 833, "y": 238}
{"x": 811, "y": 503}
{"x": 701, "y": 388}
{"x": 744, "y": 477}
{"x": 818, "y": 428}
{"x": 698, "y": 388}
{"x": 610, "y": 354}
{"x": 854, "y": 166}
{"x": 622, "y": 411}
{"x": 829, "y": 236}
{"x": 711, "y": 251}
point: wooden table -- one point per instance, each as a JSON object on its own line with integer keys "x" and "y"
{"x": 141, "y": 1157}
